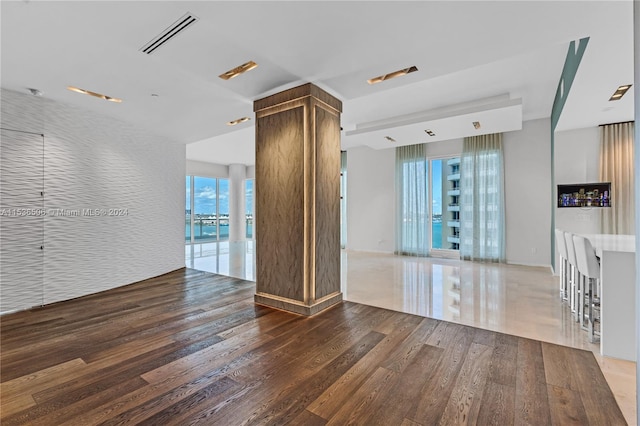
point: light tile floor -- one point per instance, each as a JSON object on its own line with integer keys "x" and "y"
{"x": 518, "y": 300}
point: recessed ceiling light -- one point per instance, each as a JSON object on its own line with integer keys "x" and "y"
{"x": 619, "y": 93}
{"x": 429, "y": 132}
{"x": 238, "y": 70}
{"x": 476, "y": 124}
{"x": 389, "y": 138}
{"x": 238, "y": 121}
{"x": 97, "y": 95}
{"x": 391, "y": 75}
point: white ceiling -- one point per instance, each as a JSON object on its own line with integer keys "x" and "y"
{"x": 494, "y": 62}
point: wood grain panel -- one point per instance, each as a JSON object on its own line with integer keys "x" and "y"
{"x": 327, "y": 202}
{"x": 351, "y": 364}
{"x": 279, "y": 206}
{"x": 302, "y": 91}
{"x": 298, "y": 200}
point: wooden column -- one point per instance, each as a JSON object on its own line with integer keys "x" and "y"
{"x": 297, "y": 200}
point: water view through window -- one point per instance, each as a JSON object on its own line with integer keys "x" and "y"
{"x": 436, "y": 204}
{"x": 207, "y": 212}
{"x": 445, "y": 208}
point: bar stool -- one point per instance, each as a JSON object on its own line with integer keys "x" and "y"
{"x": 574, "y": 278}
{"x": 589, "y": 267}
{"x": 562, "y": 250}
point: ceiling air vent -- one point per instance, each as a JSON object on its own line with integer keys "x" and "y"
{"x": 174, "y": 29}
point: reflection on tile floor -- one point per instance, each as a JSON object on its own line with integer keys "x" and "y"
{"x": 518, "y": 300}
{"x": 236, "y": 259}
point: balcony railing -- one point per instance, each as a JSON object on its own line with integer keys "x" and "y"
{"x": 206, "y": 227}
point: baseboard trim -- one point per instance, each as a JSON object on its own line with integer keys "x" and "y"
{"x": 296, "y": 306}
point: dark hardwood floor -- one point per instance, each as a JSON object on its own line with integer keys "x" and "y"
{"x": 191, "y": 347}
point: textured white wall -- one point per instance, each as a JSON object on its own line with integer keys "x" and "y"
{"x": 133, "y": 180}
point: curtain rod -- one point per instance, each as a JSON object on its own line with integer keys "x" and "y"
{"x": 621, "y": 122}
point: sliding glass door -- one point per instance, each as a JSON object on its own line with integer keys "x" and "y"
{"x": 445, "y": 208}
{"x": 428, "y": 191}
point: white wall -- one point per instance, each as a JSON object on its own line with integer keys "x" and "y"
{"x": 371, "y": 199}
{"x": 576, "y": 160}
{"x": 201, "y": 168}
{"x": 450, "y": 148}
{"x": 93, "y": 161}
{"x": 371, "y": 194}
{"x": 527, "y": 157}
{"x": 577, "y": 154}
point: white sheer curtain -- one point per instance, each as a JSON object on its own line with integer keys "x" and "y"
{"x": 616, "y": 166}
{"x": 482, "y": 217}
{"x": 412, "y": 219}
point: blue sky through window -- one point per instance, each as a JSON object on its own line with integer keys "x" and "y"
{"x": 204, "y": 195}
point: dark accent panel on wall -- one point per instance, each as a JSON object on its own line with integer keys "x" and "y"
{"x": 280, "y": 203}
{"x": 327, "y": 266}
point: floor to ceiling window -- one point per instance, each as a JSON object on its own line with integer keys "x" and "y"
{"x": 207, "y": 214}
{"x": 437, "y": 204}
{"x": 248, "y": 203}
{"x": 445, "y": 207}
{"x": 428, "y": 191}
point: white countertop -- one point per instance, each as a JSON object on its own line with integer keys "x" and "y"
{"x": 612, "y": 242}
